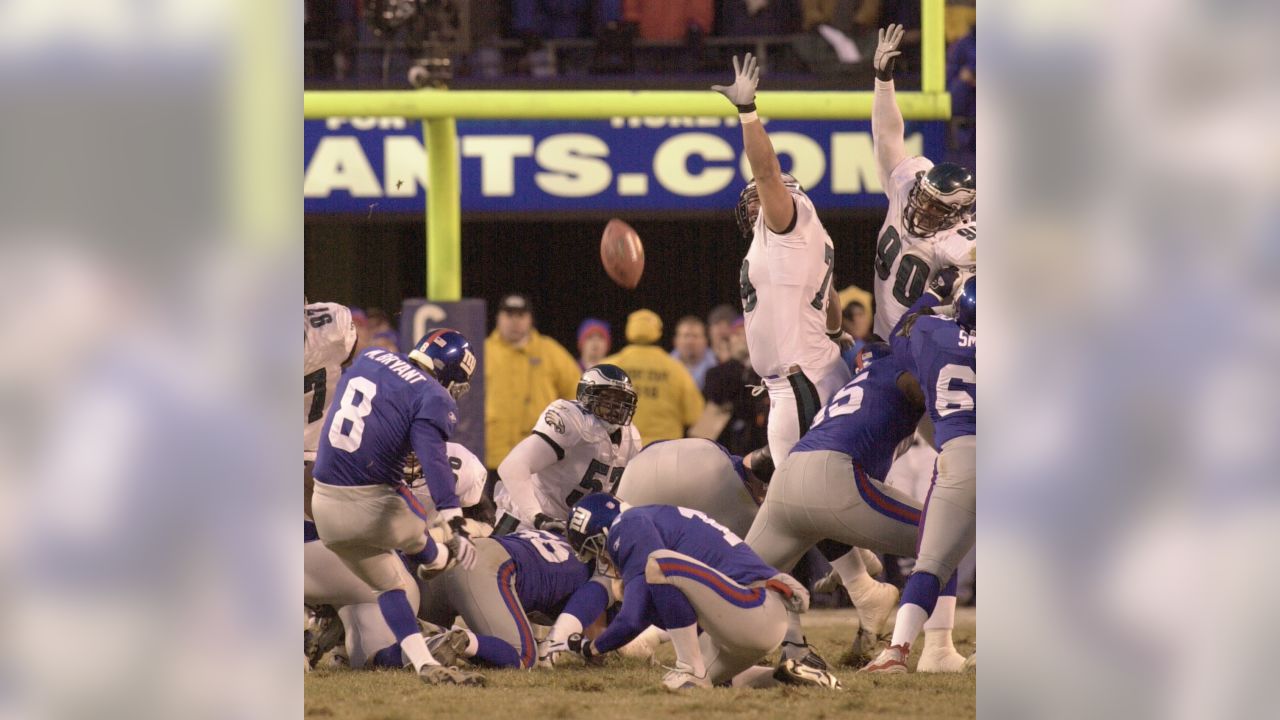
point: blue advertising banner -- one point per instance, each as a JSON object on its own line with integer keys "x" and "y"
{"x": 364, "y": 165}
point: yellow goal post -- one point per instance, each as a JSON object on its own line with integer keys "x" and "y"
{"x": 439, "y": 110}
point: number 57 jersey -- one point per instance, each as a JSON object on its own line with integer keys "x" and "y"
{"x": 904, "y": 262}
{"x": 589, "y": 458}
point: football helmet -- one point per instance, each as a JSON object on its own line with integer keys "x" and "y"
{"x": 446, "y": 354}
{"x": 606, "y": 391}
{"x": 869, "y": 353}
{"x": 941, "y": 198}
{"x": 967, "y": 305}
{"x": 589, "y": 523}
{"x": 749, "y": 204}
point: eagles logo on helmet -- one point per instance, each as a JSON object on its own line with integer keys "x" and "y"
{"x": 606, "y": 391}
{"x": 942, "y": 198}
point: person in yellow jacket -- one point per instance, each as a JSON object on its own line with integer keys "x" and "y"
{"x": 524, "y": 371}
{"x": 669, "y": 400}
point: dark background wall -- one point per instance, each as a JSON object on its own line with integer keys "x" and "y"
{"x": 691, "y": 264}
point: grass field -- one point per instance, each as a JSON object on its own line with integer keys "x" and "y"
{"x": 630, "y": 689}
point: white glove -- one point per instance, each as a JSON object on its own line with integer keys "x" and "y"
{"x": 887, "y": 51}
{"x": 743, "y": 90}
{"x": 549, "y": 650}
{"x": 799, "y": 600}
{"x": 462, "y": 550}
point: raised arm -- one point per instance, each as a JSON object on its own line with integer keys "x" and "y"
{"x": 530, "y": 456}
{"x": 775, "y": 200}
{"x": 887, "y": 127}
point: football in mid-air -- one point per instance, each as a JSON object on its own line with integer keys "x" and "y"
{"x": 622, "y": 254}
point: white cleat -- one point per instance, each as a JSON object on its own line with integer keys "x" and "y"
{"x": 875, "y": 606}
{"x": 891, "y": 660}
{"x": 940, "y": 660}
{"x": 971, "y": 664}
{"x": 681, "y": 677}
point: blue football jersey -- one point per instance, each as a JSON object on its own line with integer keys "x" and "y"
{"x": 945, "y": 359}
{"x": 641, "y": 530}
{"x": 547, "y": 572}
{"x": 867, "y": 418}
{"x": 385, "y": 405}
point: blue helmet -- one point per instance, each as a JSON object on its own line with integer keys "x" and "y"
{"x": 446, "y": 354}
{"x": 606, "y": 391}
{"x": 967, "y": 305}
{"x": 589, "y": 522}
{"x": 869, "y": 353}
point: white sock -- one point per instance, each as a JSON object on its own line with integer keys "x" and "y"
{"x": 685, "y": 641}
{"x": 414, "y": 647}
{"x": 793, "y": 643}
{"x": 940, "y": 638}
{"x": 944, "y": 614}
{"x": 911, "y": 618}
{"x": 853, "y": 574}
{"x": 844, "y": 47}
{"x": 564, "y": 626}
{"x": 473, "y": 644}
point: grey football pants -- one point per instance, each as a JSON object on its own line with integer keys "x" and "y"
{"x": 820, "y": 495}
{"x": 949, "y": 523}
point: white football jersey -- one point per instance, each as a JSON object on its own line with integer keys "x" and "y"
{"x": 589, "y": 460}
{"x": 784, "y": 282}
{"x": 904, "y": 263}
{"x": 328, "y": 334}
{"x": 469, "y": 477}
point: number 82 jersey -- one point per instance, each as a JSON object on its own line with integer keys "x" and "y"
{"x": 904, "y": 263}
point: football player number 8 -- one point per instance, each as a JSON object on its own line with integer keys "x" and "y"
{"x": 350, "y": 411}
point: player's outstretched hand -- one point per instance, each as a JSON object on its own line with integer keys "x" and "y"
{"x": 887, "y": 51}
{"x": 745, "y": 77}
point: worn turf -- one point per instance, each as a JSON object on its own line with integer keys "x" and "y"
{"x": 630, "y": 689}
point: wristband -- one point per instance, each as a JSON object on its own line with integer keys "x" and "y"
{"x": 836, "y": 334}
{"x": 748, "y": 108}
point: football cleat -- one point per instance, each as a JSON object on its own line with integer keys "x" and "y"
{"x": 441, "y": 675}
{"x": 971, "y": 664}
{"x": 325, "y": 634}
{"x": 875, "y": 606}
{"x": 865, "y": 646}
{"x": 891, "y": 660}
{"x": 448, "y": 647}
{"x": 681, "y": 677}
{"x": 940, "y": 660}
{"x": 829, "y": 583}
{"x": 793, "y": 672}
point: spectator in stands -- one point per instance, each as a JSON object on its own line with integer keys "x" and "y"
{"x": 669, "y": 400}
{"x": 524, "y": 371}
{"x": 735, "y": 416}
{"x": 690, "y": 348}
{"x": 758, "y": 17}
{"x": 719, "y": 327}
{"x": 670, "y": 19}
{"x": 594, "y": 342}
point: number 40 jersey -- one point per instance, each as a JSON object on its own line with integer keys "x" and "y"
{"x": 904, "y": 262}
